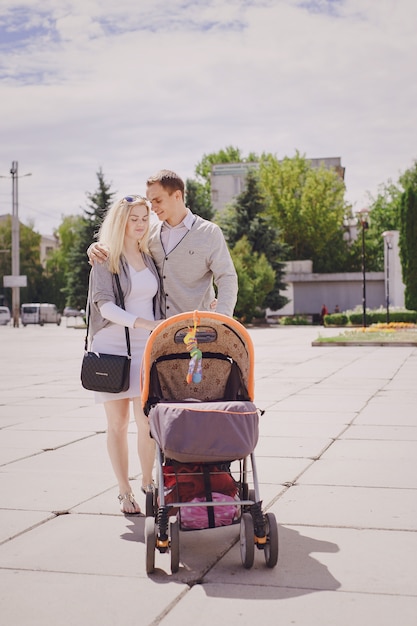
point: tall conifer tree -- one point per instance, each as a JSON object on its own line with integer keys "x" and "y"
{"x": 408, "y": 237}
{"x": 78, "y": 267}
{"x": 247, "y": 217}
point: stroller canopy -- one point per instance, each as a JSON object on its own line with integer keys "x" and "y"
{"x": 227, "y": 360}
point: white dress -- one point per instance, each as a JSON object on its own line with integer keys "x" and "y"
{"x": 112, "y": 338}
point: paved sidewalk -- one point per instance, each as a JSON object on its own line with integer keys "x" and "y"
{"x": 337, "y": 462}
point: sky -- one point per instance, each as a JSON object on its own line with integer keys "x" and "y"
{"x": 134, "y": 86}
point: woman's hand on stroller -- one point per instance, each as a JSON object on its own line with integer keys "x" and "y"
{"x": 150, "y": 325}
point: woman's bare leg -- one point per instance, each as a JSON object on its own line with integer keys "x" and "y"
{"x": 117, "y": 412}
{"x": 146, "y": 445}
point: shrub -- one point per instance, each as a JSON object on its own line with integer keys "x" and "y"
{"x": 336, "y": 319}
{"x": 296, "y": 320}
{"x": 403, "y": 316}
{"x": 356, "y": 319}
{"x": 380, "y": 316}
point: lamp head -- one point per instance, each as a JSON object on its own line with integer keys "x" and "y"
{"x": 388, "y": 236}
{"x": 363, "y": 216}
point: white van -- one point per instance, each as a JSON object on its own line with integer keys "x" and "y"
{"x": 39, "y": 313}
{"x": 5, "y": 316}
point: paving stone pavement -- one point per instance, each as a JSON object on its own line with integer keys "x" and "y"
{"x": 337, "y": 464}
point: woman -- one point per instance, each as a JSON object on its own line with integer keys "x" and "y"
{"x": 125, "y": 232}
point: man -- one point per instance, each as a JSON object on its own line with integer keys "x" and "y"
{"x": 189, "y": 252}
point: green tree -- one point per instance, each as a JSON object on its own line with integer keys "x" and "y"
{"x": 247, "y": 217}
{"x": 384, "y": 215}
{"x": 57, "y": 263}
{"x": 84, "y": 233}
{"x": 229, "y": 154}
{"x": 198, "y": 200}
{"x": 385, "y": 208}
{"x": 255, "y": 277}
{"x": 408, "y": 236}
{"x": 30, "y": 264}
{"x": 307, "y": 205}
{"x": 6, "y": 255}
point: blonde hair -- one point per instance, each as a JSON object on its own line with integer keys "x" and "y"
{"x": 112, "y": 230}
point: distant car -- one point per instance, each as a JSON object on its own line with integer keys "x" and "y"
{"x": 71, "y": 312}
{"x": 5, "y": 316}
{"x": 39, "y": 313}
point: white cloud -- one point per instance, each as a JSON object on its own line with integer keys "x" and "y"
{"x": 134, "y": 86}
{"x": 78, "y": 28}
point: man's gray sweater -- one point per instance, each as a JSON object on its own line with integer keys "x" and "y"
{"x": 188, "y": 271}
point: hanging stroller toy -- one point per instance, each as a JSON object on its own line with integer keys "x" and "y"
{"x": 195, "y": 367}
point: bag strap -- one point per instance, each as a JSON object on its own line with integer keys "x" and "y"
{"x": 122, "y": 304}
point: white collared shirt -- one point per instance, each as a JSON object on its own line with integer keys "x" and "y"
{"x": 172, "y": 235}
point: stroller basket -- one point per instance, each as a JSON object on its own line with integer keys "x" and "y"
{"x": 205, "y": 432}
{"x": 199, "y": 485}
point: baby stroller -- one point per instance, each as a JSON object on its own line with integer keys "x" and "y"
{"x": 197, "y": 385}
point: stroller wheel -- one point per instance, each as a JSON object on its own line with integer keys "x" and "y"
{"x": 271, "y": 546}
{"x": 247, "y": 540}
{"x": 150, "y": 509}
{"x": 174, "y": 531}
{"x": 150, "y": 544}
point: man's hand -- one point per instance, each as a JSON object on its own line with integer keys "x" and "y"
{"x": 97, "y": 252}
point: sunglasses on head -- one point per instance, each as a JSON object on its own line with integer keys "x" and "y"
{"x": 135, "y": 198}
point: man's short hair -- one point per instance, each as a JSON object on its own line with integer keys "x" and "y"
{"x": 169, "y": 180}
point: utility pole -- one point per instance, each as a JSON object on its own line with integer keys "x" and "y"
{"x": 363, "y": 215}
{"x": 388, "y": 238}
{"x": 15, "y": 244}
{"x": 15, "y": 280}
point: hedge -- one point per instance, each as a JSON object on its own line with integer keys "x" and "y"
{"x": 336, "y": 319}
{"x": 372, "y": 317}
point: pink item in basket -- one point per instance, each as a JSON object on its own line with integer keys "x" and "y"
{"x": 196, "y": 517}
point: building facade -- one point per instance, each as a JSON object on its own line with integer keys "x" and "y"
{"x": 228, "y": 179}
{"x": 307, "y": 291}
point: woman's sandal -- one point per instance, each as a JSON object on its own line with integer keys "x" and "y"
{"x": 129, "y": 497}
{"x": 149, "y": 488}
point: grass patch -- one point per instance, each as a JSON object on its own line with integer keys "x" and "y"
{"x": 378, "y": 334}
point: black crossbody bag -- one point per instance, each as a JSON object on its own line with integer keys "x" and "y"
{"x": 106, "y": 372}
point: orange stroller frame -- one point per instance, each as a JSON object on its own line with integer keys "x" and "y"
{"x": 197, "y": 382}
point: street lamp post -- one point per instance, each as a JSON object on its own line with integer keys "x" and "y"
{"x": 363, "y": 215}
{"x": 15, "y": 241}
{"x": 388, "y": 238}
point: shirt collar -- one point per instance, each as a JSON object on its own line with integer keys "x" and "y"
{"x": 188, "y": 221}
